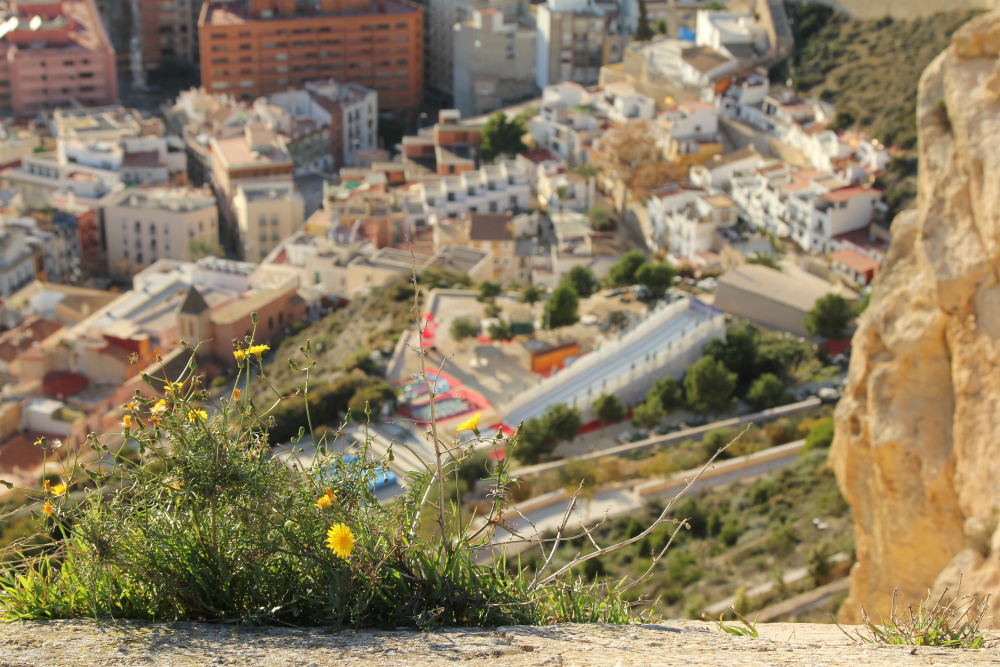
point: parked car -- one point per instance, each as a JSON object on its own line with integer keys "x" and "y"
{"x": 708, "y": 284}
{"x": 614, "y": 291}
{"x": 828, "y": 395}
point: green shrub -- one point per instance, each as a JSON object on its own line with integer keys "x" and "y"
{"x": 820, "y": 436}
{"x": 463, "y": 327}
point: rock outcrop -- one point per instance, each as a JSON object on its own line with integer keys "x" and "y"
{"x": 917, "y": 446}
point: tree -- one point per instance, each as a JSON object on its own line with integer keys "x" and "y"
{"x": 765, "y": 259}
{"x": 829, "y": 317}
{"x": 667, "y": 393}
{"x": 533, "y": 441}
{"x": 582, "y": 280}
{"x": 661, "y": 26}
{"x": 563, "y": 422}
{"x": 562, "y": 192}
{"x": 463, "y": 327}
{"x": 643, "y": 33}
{"x": 563, "y": 307}
{"x": 623, "y": 272}
{"x": 623, "y": 151}
{"x": 656, "y": 277}
{"x": 500, "y": 330}
{"x": 492, "y": 309}
{"x": 709, "y": 386}
{"x": 820, "y": 436}
{"x": 531, "y": 295}
{"x": 199, "y": 248}
{"x": 767, "y": 391}
{"x": 649, "y": 413}
{"x": 502, "y": 136}
{"x": 739, "y": 353}
{"x": 608, "y": 409}
{"x": 488, "y": 290}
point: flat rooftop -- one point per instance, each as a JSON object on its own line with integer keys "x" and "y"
{"x": 237, "y": 13}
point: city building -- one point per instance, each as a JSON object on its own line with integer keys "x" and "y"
{"x": 806, "y": 205}
{"x": 575, "y": 39}
{"x": 489, "y": 189}
{"x": 18, "y": 266}
{"x": 717, "y": 173}
{"x": 163, "y": 35}
{"x": 565, "y": 124}
{"x": 252, "y": 48}
{"x": 143, "y": 225}
{"x": 266, "y": 213}
{"x": 54, "y": 53}
{"x": 450, "y": 147}
{"x": 18, "y": 141}
{"x": 694, "y": 228}
{"x": 325, "y": 124}
{"x": 497, "y": 56}
{"x": 499, "y": 234}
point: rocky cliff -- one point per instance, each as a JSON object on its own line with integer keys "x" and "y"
{"x": 917, "y": 447}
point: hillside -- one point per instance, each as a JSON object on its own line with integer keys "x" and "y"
{"x": 870, "y": 70}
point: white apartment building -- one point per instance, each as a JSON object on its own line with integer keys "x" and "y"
{"x": 266, "y": 214}
{"x": 664, "y": 203}
{"x": 497, "y": 54}
{"x": 735, "y": 34}
{"x": 56, "y": 244}
{"x": 17, "y": 259}
{"x": 717, "y": 174}
{"x": 621, "y": 103}
{"x": 559, "y": 188}
{"x": 803, "y": 204}
{"x": 565, "y": 124}
{"x": 693, "y": 229}
{"x": 491, "y": 189}
{"x": 143, "y": 225}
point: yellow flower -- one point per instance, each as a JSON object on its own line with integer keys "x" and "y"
{"x": 158, "y": 411}
{"x": 471, "y": 424}
{"x": 195, "y": 415}
{"x": 258, "y": 350}
{"x": 176, "y": 486}
{"x": 340, "y": 539}
{"x": 40, "y": 442}
{"x": 133, "y": 406}
{"x": 171, "y": 387}
{"x": 127, "y": 421}
{"x": 47, "y": 485}
{"x": 58, "y": 489}
{"x": 48, "y": 509}
{"x": 324, "y": 502}
{"x": 240, "y": 354}
{"x": 236, "y": 394}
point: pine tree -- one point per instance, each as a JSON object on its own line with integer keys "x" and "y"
{"x": 643, "y": 33}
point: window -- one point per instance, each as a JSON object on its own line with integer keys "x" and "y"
{"x": 274, "y": 234}
{"x": 201, "y": 226}
{"x": 262, "y": 219}
{"x": 274, "y": 219}
{"x": 219, "y": 85}
{"x": 152, "y": 228}
{"x": 138, "y": 228}
{"x": 263, "y": 236}
{"x": 281, "y": 56}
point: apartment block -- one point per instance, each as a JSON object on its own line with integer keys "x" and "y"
{"x": 451, "y": 147}
{"x": 163, "y": 34}
{"x": 491, "y": 189}
{"x": 497, "y": 54}
{"x": 575, "y": 39}
{"x": 143, "y": 225}
{"x": 266, "y": 214}
{"x": 251, "y": 48}
{"x": 53, "y": 53}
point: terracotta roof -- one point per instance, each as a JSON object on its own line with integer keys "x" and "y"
{"x": 25, "y": 335}
{"x": 63, "y": 385}
{"x": 539, "y": 156}
{"x": 844, "y": 194}
{"x": 855, "y": 260}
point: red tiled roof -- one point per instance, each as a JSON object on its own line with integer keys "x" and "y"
{"x": 855, "y": 261}
{"x": 63, "y": 385}
{"x": 539, "y": 156}
{"x": 843, "y": 194}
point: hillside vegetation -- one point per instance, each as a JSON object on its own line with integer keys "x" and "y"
{"x": 870, "y": 69}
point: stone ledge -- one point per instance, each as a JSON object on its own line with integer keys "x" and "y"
{"x": 59, "y": 643}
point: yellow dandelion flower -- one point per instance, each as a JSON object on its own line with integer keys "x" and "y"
{"x": 47, "y": 486}
{"x": 240, "y": 354}
{"x": 340, "y": 539}
{"x": 196, "y": 415}
{"x": 58, "y": 489}
{"x": 471, "y": 424}
{"x": 323, "y": 502}
{"x": 48, "y": 509}
{"x": 133, "y": 406}
{"x": 258, "y": 350}
{"x": 158, "y": 411}
{"x": 127, "y": 421}
{"x": 236, "y": 394}
{"x": 171, "y": 387}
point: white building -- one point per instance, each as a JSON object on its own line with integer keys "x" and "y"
{"x": 565, "y": 123}
{"x": 717, "y": 174}
{"x": 491, "y": 189}
{"x": 806, "y": 205}
{"x": 735, "y": 34}
{"x": 692, "y": 229}
{"x": 17, "y": 259}
{"x": 575, "y": 38}
{"x": 143, "y": 225}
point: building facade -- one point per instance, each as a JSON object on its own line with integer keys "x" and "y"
{"x": 163, "y": 34}
{"x": 252, "y": 48}
{"x": 143, "y": 225}
{"x": 266, "y": 214}
{"x": 53, "y": 53}
{"x": 575, "y": 39}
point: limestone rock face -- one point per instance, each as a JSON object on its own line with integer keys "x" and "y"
{"x": 917, "y": 446}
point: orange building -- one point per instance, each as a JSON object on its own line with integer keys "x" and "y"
{"x": 251, "y": 48}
